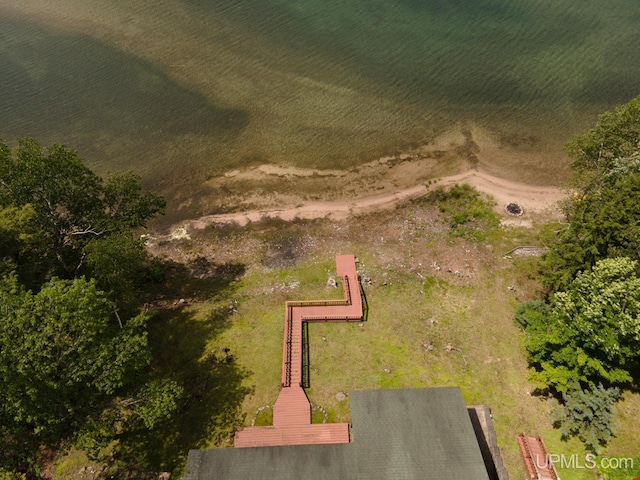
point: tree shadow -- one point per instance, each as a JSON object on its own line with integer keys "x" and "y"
{"x": 197, "y": 280}
{"x": 183, "y": 342}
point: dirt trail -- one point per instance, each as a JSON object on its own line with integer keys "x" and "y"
{"x": 531, "y": 197}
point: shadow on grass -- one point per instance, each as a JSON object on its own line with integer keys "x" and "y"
{"x": 183, "y": 341}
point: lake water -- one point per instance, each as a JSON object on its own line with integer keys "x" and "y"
{"x": 182, "y": 90}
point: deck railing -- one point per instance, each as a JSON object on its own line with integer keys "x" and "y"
{"x": 288, "y": 347}
{"x": 326, "y": 303}
{"x": 347, "y": 300}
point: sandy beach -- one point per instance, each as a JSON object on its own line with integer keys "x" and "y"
{"x": 532, "y": 198}
{"x": 463, "y": 155}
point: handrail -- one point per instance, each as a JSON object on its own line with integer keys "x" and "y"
{"x": 326, "y": 303}
{"x": 551, "y": 467}
{"x": 288, "y": 347}
{"x": 290, "y": 305}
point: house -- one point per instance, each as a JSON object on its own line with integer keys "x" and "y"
{"x": 404, "y": 434}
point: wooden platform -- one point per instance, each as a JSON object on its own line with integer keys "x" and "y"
{"x": 536, "y": 458}
{"x": 292, "y": 411}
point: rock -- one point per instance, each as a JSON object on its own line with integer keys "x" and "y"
{"x": 428, "y": 346}
{"x": 341, "y": 396}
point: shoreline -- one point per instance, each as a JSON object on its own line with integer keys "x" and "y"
{"x": 466, "y": 154}
{"x": 533, "y": 199}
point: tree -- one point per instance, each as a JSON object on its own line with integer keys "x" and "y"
{"x": 74, "y": 355}
{"x": 19, "y": 243}
{"x": 603, "y": 224}
{"x": 63, "y": 357}
{"x": 615, "y": 136}
{"x": 587, "y": 414}
{"x": 592, "y": 333}
{"x": 118, "y": 263}
{"x": 73, "y": 206}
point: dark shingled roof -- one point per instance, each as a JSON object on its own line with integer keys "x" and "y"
{"x": 397, "y": 434}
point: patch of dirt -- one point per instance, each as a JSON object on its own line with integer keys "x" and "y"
{"x": 283, "y": 252}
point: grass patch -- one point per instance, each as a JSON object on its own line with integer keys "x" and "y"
{"x": 468, "y": 214}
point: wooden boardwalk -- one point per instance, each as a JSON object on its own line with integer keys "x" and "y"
{"x": 536, "y": 458}
{"x": 292, "y": 411}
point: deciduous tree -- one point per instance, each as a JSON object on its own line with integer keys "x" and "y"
{"x": 63, "y": 357}
{"x": 592, "y": 333}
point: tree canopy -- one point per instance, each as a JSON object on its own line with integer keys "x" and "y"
{"x": 592, "y": 330}
{"x": 615, "y": 136}
{"x": 73, "y": 338}
{"x": 72, "y": 206}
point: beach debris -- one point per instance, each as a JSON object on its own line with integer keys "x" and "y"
{"x": 180, "y": 233}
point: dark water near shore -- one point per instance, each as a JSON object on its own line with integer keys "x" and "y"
{"x": 204, "y": 86}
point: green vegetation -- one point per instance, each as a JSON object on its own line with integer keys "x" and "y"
{"x": 468, "y": 214}
{"x": 620, "y": 470}
{"x": 73, "y": 341}
{"x": 587, "y": 414}
{"x": 586, "y": 333}
{"x": 591, "y": 332}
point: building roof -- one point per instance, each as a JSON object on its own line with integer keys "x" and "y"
{"x": 396, "y": 434}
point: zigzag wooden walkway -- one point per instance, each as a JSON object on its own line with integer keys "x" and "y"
{"x": 292, "y": 411}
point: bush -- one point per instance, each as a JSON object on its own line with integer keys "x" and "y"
{"x": 532, "y": 313}
{"x": 469, "y": 215}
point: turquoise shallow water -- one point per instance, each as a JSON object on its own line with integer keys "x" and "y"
{"x": 208, "y": 86}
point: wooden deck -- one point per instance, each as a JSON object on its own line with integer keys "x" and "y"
{"x": 292, "y": 411}
{"x": 536, "y": 458}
